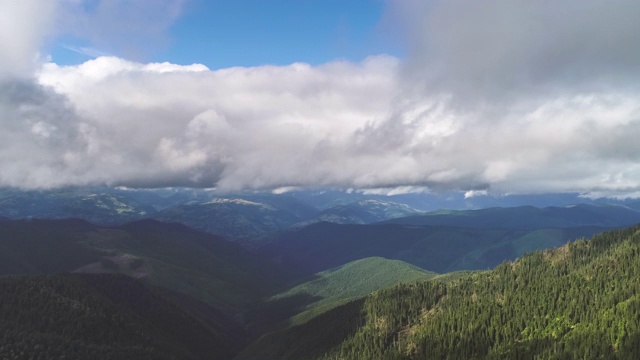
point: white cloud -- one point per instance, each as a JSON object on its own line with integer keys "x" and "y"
{"x": 86, "y": 50}
{"x": 397, "y": 190}
{"x": 501, "y": 97}
{"x": 500, "y": 50}
{"x": 23, "y": 28}
{"x": 235, "y": 128}
{"x": 473, "y": 193}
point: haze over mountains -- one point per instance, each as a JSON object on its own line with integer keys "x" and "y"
{"x": 254, "y": 215}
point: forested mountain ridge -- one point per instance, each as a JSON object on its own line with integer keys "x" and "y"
{"x": 173, "y": 256}
{"x": 528, "y": 217}
{"x": 104, "y": 316}
{"x": 331, "y": 288}
{"x": 102, "y": 207}
{"x": 351, "y": 281}
{"x": 581, "y": 300}
{"x": 441, "y": 249}
{"x": 362, "y": 212}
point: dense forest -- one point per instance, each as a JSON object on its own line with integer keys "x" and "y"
{"x": 103, "y": 316}
{"x": 581, "y": 301}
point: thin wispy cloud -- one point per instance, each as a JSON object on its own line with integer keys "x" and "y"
{"x": 86, "y": 51}
{"x": 128, "y": 28}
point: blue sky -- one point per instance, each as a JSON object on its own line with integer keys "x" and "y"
{"x": 225, "y": 33}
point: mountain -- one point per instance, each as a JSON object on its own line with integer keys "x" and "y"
{"x": 362, "y": 212}
{"x": 162, "y": 198}
{"x": 328, "y": 289}
{"x": 173, "y": 256}
{"x": 322, "y": 246}
{"x": 578, "y": 301}
{"x": 284, "y": 202}
{"x": 446, "y": 241}
{"x": 98, "y": 207}
{"x": 428, "y": 201}
{"x": 528, "y": 217}
{"x": 45, "y": 246}
{"x": 105, "y": 316}
{"x": 351, "y": 281}
{"x": 633, "y": 205}
{"x": 204, "y": 266}
{"x": 257, "y": 217}
{"x": 237, "y": 218}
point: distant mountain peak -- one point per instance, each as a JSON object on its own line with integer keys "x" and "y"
{"x": 240, "y": 202}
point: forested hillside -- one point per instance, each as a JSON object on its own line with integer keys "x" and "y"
{"x": 103, "y": 316}
{"x": 441, "y": 249}
{"x": 331, "y": 288}
{"x": 172, "y": 256}
{"x": 581, "y": 301}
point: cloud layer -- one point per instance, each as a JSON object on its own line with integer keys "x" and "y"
{"x": 164, "y": 124}
{"x": 503, "y": 97}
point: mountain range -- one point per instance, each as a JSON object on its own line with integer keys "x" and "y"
{"x": 296, "y": 278}
{"x": 255, "y": 218}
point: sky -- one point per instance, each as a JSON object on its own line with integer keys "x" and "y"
{"x": 497, "y": 97}
{"x": 228, "y": 33}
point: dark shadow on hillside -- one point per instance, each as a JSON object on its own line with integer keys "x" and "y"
{"x": 311, "y": 340}
{"x": 269, "y": 314}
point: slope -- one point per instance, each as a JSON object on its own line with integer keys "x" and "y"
{"x": 328, "y": 289}
{"x": 528, "y": 217}
{"x": 581, "y": 300}
{"x": 173, "y": 256}
{"x": 44, "y": 246}
{"x": 351, "y": 281}
{"x": 322, "y": 246}
{"x": 102, "y": 317}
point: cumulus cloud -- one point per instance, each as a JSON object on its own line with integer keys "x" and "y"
{"x": 490, "y": 50}
{"x": 234, "y": 128}
{"x": 42, "y": 139}
{"x": 23, "y": 28}
{"x": 519, "y": 96}
{"x": 502, "y": 97}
